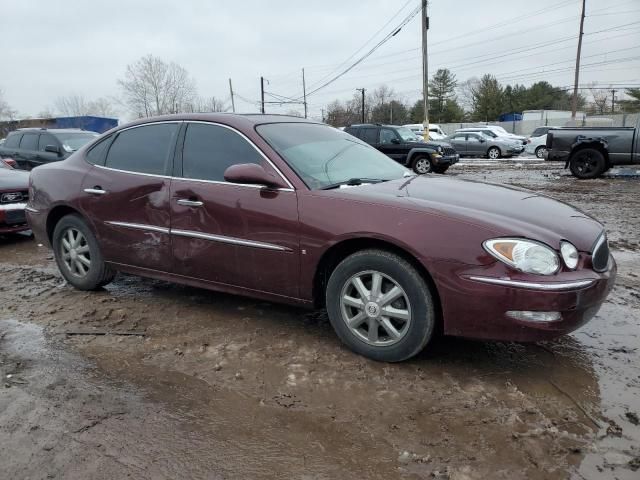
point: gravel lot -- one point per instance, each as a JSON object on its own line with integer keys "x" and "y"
{"x": 194, "y": 384}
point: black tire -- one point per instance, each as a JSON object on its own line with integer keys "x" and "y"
{"x": 540, "y": 151}
{"x": 441, "y": 169}
{"x": 494, "y": 153}
{"x": 97, "y": 274}
{"x": 587, "y": 163}
{"x": 421, "y": 164}
{"x": 419, "y": 303}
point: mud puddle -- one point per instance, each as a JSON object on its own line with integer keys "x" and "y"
{"x": 216, "y": 386}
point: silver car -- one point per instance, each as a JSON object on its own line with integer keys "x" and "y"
{"x": 476, "y": 144}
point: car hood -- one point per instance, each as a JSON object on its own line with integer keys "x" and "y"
{"x": 505, "y": 211}
{"x": 12, "y": 179}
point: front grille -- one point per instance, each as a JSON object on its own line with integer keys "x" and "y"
{"x": 600, "y": 256}
{"x": 449, "y": 151}
{"x": 14, "y": 197}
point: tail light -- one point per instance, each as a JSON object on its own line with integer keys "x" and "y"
{"x": 9, "y": 161}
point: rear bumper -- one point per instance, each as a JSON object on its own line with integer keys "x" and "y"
{"x": 12, "y": 218}
{"x": 556, "y": 155}
{"x": 37, "y": 221}
{"x": 475, "y": 301}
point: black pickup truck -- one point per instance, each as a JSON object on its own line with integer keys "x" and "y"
{"x": 589, "y": 152}
{"x": 404, "y": 147}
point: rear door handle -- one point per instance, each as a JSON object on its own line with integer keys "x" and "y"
{"x": 97, "y": 190}
{"x": 189, "y": 203}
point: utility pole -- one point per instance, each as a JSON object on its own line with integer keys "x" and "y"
{"x": 233, "y": 103}
{"x": 362, "y": 90}
{"x": 425, "y": 69}
{"x": 613, "y": 100}
{"x": 323, "y": 115}
{"x": 574, "y": 100}
{"x": 262, "y": 94}
{"x": 304, "y": 94}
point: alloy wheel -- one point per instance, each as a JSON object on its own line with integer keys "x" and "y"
{"x": 75, "y": 252}
{"x": 422, "y": 166}
{"x": 494, "y": 153}
{"x": 540, "y": 152}
{"x": 375, "y": 308}
{"x": 585, "y": 163}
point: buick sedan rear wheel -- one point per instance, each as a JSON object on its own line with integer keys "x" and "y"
{"x": 78, "y": 256}
{"x": 380, "y": 306}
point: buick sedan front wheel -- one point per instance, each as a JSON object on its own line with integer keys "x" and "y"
{"x": 380, "y": 306}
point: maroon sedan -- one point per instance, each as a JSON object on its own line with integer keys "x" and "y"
{"x": 288, "y": 210}
{"x": 13, "y": 198}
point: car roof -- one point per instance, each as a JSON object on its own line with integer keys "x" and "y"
{"x": 238, "y": 120}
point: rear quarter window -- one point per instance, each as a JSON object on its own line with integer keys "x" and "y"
{"x": 29, "y": 141}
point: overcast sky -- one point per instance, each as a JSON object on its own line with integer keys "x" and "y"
{"x": 56, "y": 48}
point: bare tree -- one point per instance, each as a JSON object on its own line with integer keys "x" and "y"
{"x": 465, "y": 93}
{"x": 5, "y": 109}
{"x": 208, "y": 104}
{"x": 600, "y": 100}
{"x": 153, "y": 87}
{"x": 78, "y": 106}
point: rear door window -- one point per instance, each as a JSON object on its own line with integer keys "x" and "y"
{"x": 210, "y": 149}
{"x": 370, "y": 135}
{"x": 387, "y": 136}
{"x": 29, "y": 141}
{"x": 13, "y": 140}
{"x": 145, "y": 149}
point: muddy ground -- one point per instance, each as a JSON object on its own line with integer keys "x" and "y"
{"x": 207, "y": 385}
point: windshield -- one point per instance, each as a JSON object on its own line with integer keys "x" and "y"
{"x": 324, "y": 156}
{"x": 73, "y": 141}
{"x": 406, "y": 134}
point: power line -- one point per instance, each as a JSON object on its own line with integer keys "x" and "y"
{"x": 366, "y": 55}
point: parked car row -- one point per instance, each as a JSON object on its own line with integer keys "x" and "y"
{"x": 288, "y": 210}
{"x": 14, "y": 193}
{"x": 31, "y": 147}
{"x": 402, "y": 145}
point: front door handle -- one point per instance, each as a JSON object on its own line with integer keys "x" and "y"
{"x": 189, "y": 203}
{"x": 97, "y": 190}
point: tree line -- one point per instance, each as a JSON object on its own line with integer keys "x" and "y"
{"x": 474, "y": 100}
{"x": 150, "y": 86}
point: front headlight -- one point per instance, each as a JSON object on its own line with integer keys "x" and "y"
{"x": 569, "y": 254}
{"x": 524, "y": 255}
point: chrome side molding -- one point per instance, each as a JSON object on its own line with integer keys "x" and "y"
{"x": 546, "y": 286}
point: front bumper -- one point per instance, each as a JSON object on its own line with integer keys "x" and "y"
{"x": 12, "y": 218}
{"x": 442, "y": 160}
{"x": 475, "y": 301}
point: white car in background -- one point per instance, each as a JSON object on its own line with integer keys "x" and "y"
{"x": 536, "y": 146}
{"x": 418, "y": 129}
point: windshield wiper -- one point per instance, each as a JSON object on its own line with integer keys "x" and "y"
{"x": 352, "y": 182}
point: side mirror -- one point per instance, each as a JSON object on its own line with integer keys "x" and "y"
{"x": 252, "y": 174}
{"x": 482, "y": 140}
{"x": 395, "y": 140}
{"x": 52, "y": 149}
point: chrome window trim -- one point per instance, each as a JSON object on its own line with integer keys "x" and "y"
{"x": 250, "y": 142}
{"x": 231, "y": 240}
{"x": 132, "y": 173}
{"x": 139, "y": 226}
{"x": 249, "y": 185}
{"x": 550, "y": 286}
